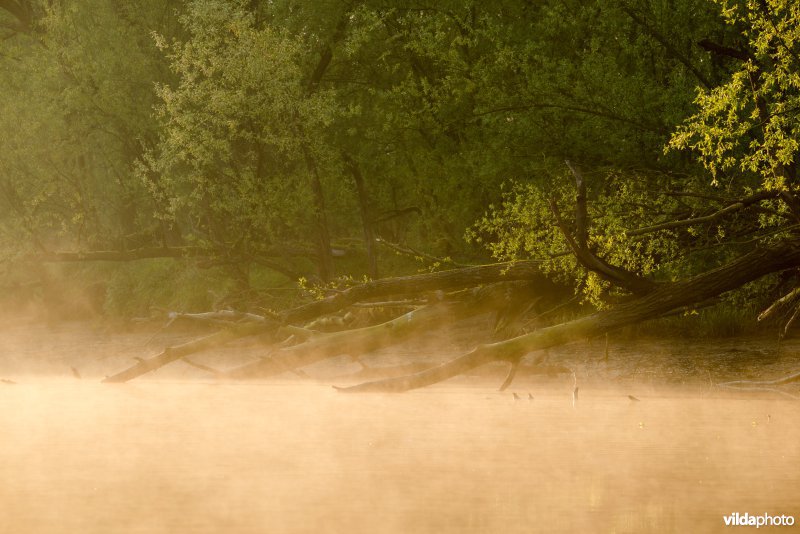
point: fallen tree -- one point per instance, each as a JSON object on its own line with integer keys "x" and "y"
{"x": 663, "y": 299}
{"x": 658, "y": 302}
{"x": 319, "y": 345}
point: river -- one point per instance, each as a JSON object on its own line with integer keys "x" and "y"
{"x": 167, "y": 457}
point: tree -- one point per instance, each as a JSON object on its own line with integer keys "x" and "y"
{"x": 641, "y": 248}
{"x": 78, "y": 98}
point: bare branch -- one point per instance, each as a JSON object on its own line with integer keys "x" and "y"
{"x": 408, "y": 251}
{"x": 170, "y": 354}
{"x": 512, "y": 372}
{"x": 787, "y": 299}
{"x": 405, "y": 285}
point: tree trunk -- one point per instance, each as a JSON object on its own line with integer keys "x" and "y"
{"x": 366, "y": 218}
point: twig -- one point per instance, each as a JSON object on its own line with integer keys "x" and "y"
{"x": 786, "y": 299}
{"x": 215, "y": 372}
{"x": 776, "y": 382}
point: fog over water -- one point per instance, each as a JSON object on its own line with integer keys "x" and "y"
{"x": 162, "y": 455}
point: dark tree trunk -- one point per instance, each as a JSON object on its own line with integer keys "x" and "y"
{"x": 366, "y": 218}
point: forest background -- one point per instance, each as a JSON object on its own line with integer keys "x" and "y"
{"x": 190, "y": 156}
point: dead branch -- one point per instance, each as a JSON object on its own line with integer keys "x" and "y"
{"x": 170, "y": 354}
{"x": 791, "y": 320}
{"x": 512, "y": 372}
{"x": 353, "y": 342}
{"x": 794, "y": 377}
{"x": 217, "y": 373}
{"x": 658, "y": 302}
{"x": 408, "y": 303}
{"x": 371, "y": 338}
{"x": 222, "y": 316}
{"x": 408, "y": 251}
{"x": 785, "y": 300}
{"x": 767, "y": 390}
{"x": 407, "y": 285}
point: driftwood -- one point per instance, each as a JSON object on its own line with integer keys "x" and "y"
{"x": 658, "y": 302}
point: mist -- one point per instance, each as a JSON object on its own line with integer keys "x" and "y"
{"x": 180, "y": 452}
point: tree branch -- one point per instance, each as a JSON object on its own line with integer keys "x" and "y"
{"x": 616, "y": 275}
{"x": 736, "y": 206}
{"x": 404, "y": 285}
{"x": 720, "y": 50}
{"x": 668, "y": 46}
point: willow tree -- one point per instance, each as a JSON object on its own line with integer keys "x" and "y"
{"x": 237, "y": 165}
{"x": 638, "y": 245}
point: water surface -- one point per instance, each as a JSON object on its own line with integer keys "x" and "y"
{"x": 153, "y": 457}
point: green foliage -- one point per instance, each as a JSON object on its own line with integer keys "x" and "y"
{"x": 238, "y": 127}
{"x": 77, "y": 96}
{"x": 230, "y": 159}
{"x": 750, "y": 124}
{"x": 523, "y": 226}
{"x": 138, "y": 290}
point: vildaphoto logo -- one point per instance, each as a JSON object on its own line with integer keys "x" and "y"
{"x": 765, "y": 520}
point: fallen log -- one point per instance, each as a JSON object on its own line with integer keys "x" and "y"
{"x": 359, "y": 341}
{"x": 406, "y": 285}
{"x": 170, "y": 354}
{"x": 352, "y": 342}
{"x": 658, "y": 302}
